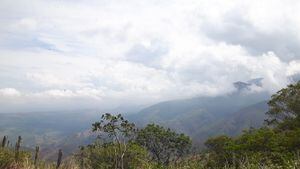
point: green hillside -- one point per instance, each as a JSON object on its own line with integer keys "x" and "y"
{"x": 203, "y": 117}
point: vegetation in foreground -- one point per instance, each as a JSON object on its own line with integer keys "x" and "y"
{"x": 121, "y": 145}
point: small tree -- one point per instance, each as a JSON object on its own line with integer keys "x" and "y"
{"x": 164, "y": 144}
{"x": 119, "y": 131}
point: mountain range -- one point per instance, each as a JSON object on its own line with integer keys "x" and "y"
{"x": 198, "y": 117}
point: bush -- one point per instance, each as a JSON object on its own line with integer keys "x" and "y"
{"x": 102, "y": 156}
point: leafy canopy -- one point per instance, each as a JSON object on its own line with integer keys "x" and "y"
{"x": 164, "y": 145}
{"x": 284, "y": 107}
{"x": 120, "y": 132}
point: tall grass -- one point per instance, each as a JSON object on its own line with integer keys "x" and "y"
{"x": 7, "y": 161}
{"x": 15, "y": 158}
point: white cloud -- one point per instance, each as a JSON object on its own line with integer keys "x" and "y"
{"x": 100, "y": 53}
{"x": 9, "y": 92}
{"x": 27, "y": 24}
{"x": 293, "y": 68}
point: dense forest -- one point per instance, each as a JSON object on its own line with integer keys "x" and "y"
{"x": 122, "y": 145}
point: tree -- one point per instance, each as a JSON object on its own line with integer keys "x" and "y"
{"x": 218, "y": 144}
{"x": 218, "y": 148}
{"x": 163, "y": 144}
{"x": 284, "y": 107}
{"x": 119, "y": 131}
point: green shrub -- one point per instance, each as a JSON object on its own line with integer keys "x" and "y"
{"x": 102, "y": 156}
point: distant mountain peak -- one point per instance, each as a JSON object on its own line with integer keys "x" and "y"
{"x": 256, "y": 81}
{"x": 239, "y": 85}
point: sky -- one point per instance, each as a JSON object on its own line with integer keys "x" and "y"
{"x": 77, "y": 54}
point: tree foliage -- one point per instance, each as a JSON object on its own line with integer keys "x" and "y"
{"x": 119, "y": 131}
{"x": 274, "y": 144}
{"x": 164, "y": 145}
{"x": 284, "y": 107}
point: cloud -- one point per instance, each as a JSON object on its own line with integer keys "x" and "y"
{"x": 9, "y": 92}
{"x": 147, "y": 53}
{"x": 257, "y": 26}
{"x": 293, "y": 68}
{"x": 107, "y": 53}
